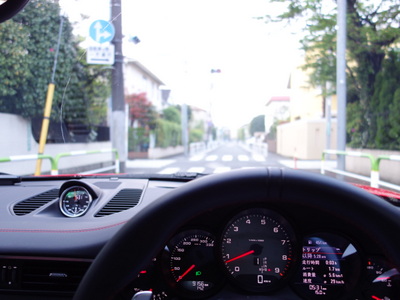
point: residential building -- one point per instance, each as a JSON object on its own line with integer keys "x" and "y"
{"x": 277, "y": 109}
{"x": 139, "y": 79}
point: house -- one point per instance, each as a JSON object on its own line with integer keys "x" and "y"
{"x": 277, "y": 109}
{"x": 139, "y": 79}
{"x": 309, "y": 131}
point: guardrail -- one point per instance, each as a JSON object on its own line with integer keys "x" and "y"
{"x": 373, "y": 179}
{"x": 78, "y": 153}
{"x": 14, "y": 158}
{"x": 54, "y": 161}
{"x": 198, "y": 147}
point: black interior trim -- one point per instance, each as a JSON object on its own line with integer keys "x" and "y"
{"x": 131, "y": 248}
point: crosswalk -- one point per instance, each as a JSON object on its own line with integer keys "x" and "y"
{"x": 203, "y": 170}
{"x": 221, "y": 163}
{"x": 228, "y": 157}
{"x": 206, "y": 163}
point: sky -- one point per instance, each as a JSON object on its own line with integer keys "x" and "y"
{"x": 182, "y": 40}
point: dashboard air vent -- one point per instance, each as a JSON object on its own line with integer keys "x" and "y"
{"x": 45, "y": 276}
{"x": 57, "y": 276}
{"x": 29, "y": 205}
{"x": 125, "y": 199}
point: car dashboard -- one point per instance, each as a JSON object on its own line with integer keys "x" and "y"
{"x": 52, "y": 229}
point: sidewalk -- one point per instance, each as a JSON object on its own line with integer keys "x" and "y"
{"x": 307, "y": 164}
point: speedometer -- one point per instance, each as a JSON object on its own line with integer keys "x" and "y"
{"x": 257, "y": 249}
{"x": 192, "y": 265}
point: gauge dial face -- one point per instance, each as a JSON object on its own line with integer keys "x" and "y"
{"x": 383, "y": 280}
{"x": 75, "y": 201}
{"x": 257, "y": 249}
{"x": 192, "y": 265}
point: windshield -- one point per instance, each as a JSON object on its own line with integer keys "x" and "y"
{"x": 167, "y": 86}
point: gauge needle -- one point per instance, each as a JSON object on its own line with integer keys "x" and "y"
{"x": 185, "y": 273}
{"x": 240, "y": 256}
{"x": 376, "y": 298}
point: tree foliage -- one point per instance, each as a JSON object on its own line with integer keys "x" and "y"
{"x": 257, "y": 125}
{"x": 27, "y": 52}
{"x": 385, "y": 110}
{"x": 372, "y": 32}
{"x": 141, "y": 110}
{"x": 168, "y": 129}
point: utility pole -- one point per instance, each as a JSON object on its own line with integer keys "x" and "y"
{"x": 49, "y": 102}
{"x": 185, "y": 128}
{"x": 341, "y": 81}
{"x": 328, "y": 104}
{"x": 119, "y": 134}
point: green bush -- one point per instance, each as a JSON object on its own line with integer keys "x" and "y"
{"x": 168, "y": 134}
{"x": 138, "y": 139}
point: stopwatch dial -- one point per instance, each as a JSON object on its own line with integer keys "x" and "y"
{"x": 257, "y": 249}
{"x": 192, "y": 266}
{"x": 75, "y": 201}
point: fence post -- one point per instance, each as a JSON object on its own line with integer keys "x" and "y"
{"x": 375, "y": 171}
{"x": 117, "y": 170}
{"x": 323, "y": 163}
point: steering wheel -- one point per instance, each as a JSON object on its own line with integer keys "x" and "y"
{"x": 133, "y": 247}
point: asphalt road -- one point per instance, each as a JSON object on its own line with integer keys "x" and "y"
{"x": 226, "y": 157}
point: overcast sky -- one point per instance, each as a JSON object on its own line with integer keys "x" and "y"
{"x": 182, "y": 40}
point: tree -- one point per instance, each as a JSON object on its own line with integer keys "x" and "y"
{"x": 257, "y": 124}
{"x": 168, "y": 130}
{"x": 141, "y": 110}
{"x": 384, "y": 107}
{"x": 172, "y": 114}
{"x": 27, "y": 49}
{"x": 143, "y": 118}
{"x": 372, "y": 31}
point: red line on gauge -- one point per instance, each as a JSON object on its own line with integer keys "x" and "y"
{"x": 240, "y": 256}
{"x": 185, "y": 273}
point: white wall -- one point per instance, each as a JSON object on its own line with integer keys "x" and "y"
{"x": 137, "y": 81}
{"x": 304, "y": 139}
{"x": 276, "y": 110}
{"x": 16, "y": 139}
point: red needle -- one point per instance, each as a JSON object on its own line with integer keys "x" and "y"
{"x": 376, "y": 298}
{"x": 186, "y": 272}
{"x": 240, "y": 256}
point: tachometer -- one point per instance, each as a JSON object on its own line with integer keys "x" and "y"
{"x": 257, "y": 249}
{"x": 75, "y": 201}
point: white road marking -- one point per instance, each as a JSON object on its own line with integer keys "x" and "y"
{"x": 149, "y": 163}
{"x": 227, "y": 158}
{"x": 197, "y": 157}
{"x": 243, "y": 157}
{"x": 211, "y": 158}
{"x": 221, "y": 169}
{"x": 169, "y": 171}
{"x": 196, "y": 169}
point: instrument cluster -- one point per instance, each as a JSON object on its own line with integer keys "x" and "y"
{"x": 259, "y": 252}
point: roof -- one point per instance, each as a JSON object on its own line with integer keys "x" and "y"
{"x": 278, "y": 99}
{"x": 144, "y": 70}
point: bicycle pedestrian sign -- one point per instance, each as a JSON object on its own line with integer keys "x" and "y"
{"x": 101, "y": 31}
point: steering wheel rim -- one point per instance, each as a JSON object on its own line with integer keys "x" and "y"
{"x": 132, "y": 248}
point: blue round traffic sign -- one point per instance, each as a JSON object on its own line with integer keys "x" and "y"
{"x": 101, "y": 31}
